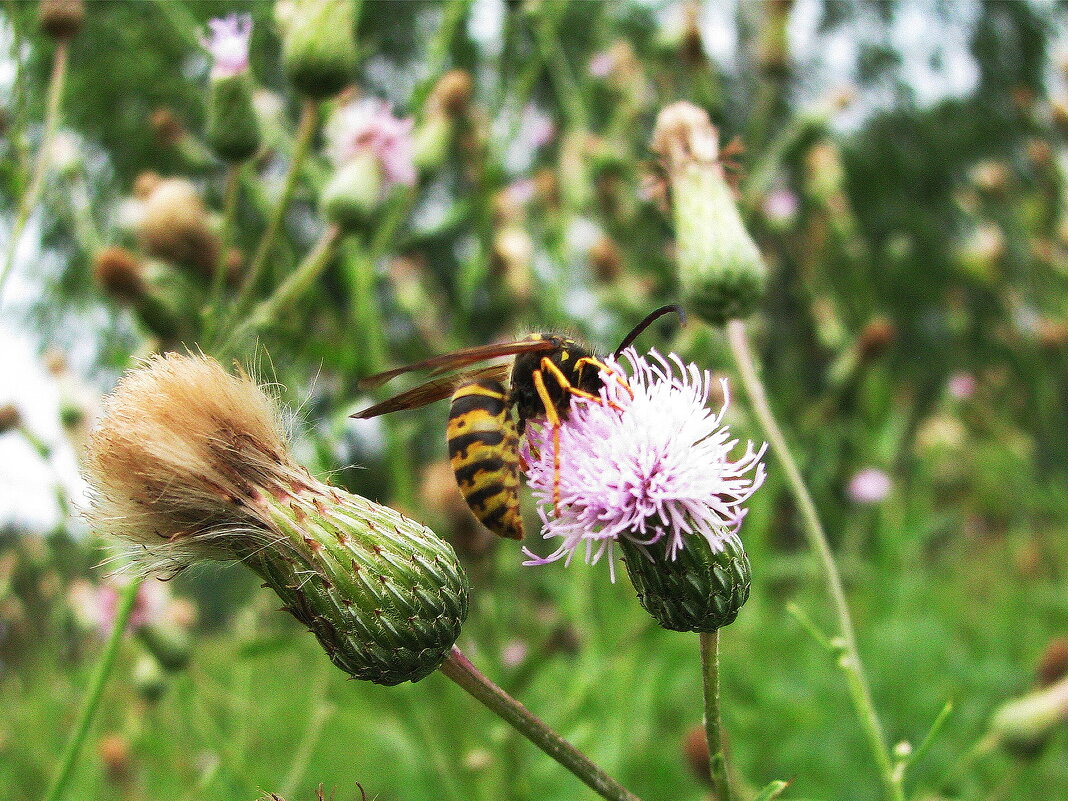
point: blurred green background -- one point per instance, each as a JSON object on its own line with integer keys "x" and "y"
{"x": 904, "y": 172}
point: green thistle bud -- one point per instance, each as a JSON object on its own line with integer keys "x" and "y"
{"x": 189, "y": 464}
{"x": 353, "y": 191}
{"x": 233, "y": 128}
{"x": 169, "y": 644}
{"x": 1025, "y": 724}
{"x": 319, "y": 46}
{"x": 721, "y": 271}
{"x": 432, "y": 140}
{"x": 701, "y": 589}
{"x": 148, "y": 677}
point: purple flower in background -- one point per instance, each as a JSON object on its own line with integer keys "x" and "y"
{"x": 539, "y": 126}
{"x": 601, "y": 64}
{"x": 649, "y": 461}
{"x": 962, "y": 386}
{"x": 869, "y": 486}
{"x": 780, "y": 205}
{"x": 97, "y": 605}
{"x": 228, "y": 44}
{"x": 368, "y": 125}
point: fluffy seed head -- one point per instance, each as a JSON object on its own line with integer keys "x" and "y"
{"x": 174, "y": 224}
{"x": 179, "y": 458}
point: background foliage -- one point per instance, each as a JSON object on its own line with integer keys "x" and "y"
{"x": 925, "y": 235}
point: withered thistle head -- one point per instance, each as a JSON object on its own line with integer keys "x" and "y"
{"x": 61, "y": 19}
{"x": 189, "y": 463}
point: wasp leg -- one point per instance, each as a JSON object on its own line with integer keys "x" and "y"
{"x": 605, "y": 369}
{"x": 554, "y": 421}
{"x": 565, "y": 384}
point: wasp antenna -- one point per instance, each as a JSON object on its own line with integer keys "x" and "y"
{"x": 649, "y": 320}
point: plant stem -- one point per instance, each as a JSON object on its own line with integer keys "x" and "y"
{"x": 460, "y": 670}
{"x": 44, "y": 155}
{"x": 713, "y": 728}
{"x": 218, "y": 281}
{"x": 305, "y": 129}
{"x": 849, "y": 661}
{"x": 290, "y": 289}
{"x": 94, "y": 693}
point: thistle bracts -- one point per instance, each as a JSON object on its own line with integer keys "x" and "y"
{"x": 232, "y": 129}
{"x": 701, "y": 589}
{"x": 319, "y": 47}
{"x": 721, "y": 271}
{"x": 385, "y": 596}
{"x": 189, "y": 464}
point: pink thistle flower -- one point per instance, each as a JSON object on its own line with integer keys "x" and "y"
{"x": 368, "y": 125}
{"x": 962, "y": 386}
{"x": 228, "y": 44}
{"x": 780, "y": 205}
{"x": 601, "y": 64}
{"x": 649, "y": 461}
{"x": 98, "y": 605}
{"x": 869, "y": 486}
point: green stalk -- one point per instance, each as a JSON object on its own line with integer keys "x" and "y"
{"x": 568, "y": 91}
{"x": 460, "y": 670}
{"x": 305, "y": 130}
{"x": 218, "y": 281}
{"x": 849, "y": 662}
{"x": 44, "y": 154}
{"x": 292, "y": 288}
{"x": 96, "y": 689}
{"x": 713, "y": 726}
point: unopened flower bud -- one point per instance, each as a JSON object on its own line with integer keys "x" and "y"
{"x": 10, "y": 418}
{"x": 720, "y": 268}
{"x": 695, "y": 750}
{"x": 118, "y": 272}
{"x": 166, "y": 127}
{"x": 1053, "y": 665}
{"x": 451, "y": 94}
{"x": 319, "y": 47}
{"x": 876, "y": 336}
{"x": 353, "y": 192}
{"x": 168, "y": 643}
{"x": 606, "y": 259}
{"x": 1024, "y": 724}
{"x": 148, "y": 678}
{"x": 61, "y": 19}
{"x": 114, "y": 750}
{"x": 232, "y": 129}
{"x": 189, "y": 464}
{"x": 431, "y": 141}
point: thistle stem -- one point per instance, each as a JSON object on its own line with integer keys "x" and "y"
{"x": 292, "y": 288}
{"x": 305, "y": 130}
{"x": 96, "y": 689}
{"x": 44, "y": 156}
{"x": 850, "y": 663}
{"x": 218, "y": 281}
{"x": 713, "y": 727}
{"x": 460, "y": 670}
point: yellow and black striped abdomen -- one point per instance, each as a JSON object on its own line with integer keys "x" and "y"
{"x": 484, "y": 450}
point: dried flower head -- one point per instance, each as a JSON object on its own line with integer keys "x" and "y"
{"x": 189, "y": 463}
{"x": 228, "y": 44}
{"x": 119, "y": 273}
{"x": 647, "y": 463}
{"x": 367, "y": 125}
{"x": 174, "y": 225}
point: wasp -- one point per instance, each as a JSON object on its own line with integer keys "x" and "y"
{"x": 487, "y": 417}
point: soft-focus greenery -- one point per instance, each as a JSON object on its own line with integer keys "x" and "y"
{"x": 929, "y": 239}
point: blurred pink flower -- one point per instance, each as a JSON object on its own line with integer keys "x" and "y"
{"x": 539, "y": 126}
{"x": 962, "y": 386}
{"x": 368, "y": 125}
{"x": 228, "y": 44}
{"x": 869, "y": 486}
{"x": 648, "y": 461}
{"x": 97, "y": 604}
{"x": 780, "y": 205}
{"x": 513, "y": 653}
{"x": 521, "y": 191}
{"x": 601, "y": 64}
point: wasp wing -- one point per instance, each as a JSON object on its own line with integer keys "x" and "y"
{"x": 458, "y": 359}
{"x": 432, "y": 391}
